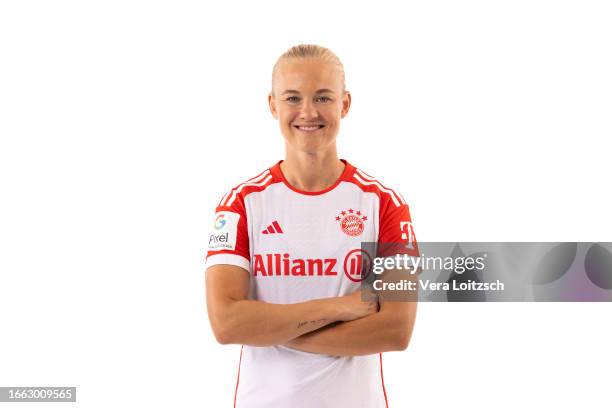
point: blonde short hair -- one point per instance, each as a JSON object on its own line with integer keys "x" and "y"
{"x": 310, "y": 51}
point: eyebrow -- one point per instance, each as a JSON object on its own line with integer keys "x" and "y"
{"x": 293, "y": 91}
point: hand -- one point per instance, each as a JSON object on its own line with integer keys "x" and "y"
{"x": 353, "y": 307}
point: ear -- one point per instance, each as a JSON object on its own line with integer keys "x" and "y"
{"x": 272, "y": 104}
{"x": 346, "y": 104}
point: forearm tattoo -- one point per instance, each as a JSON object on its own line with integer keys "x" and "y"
{"x": 305, "y": 322}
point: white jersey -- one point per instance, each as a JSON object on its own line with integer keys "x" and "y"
{"x": 299, "y": 246}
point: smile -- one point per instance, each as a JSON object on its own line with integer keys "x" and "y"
{"x": 309, "y": 128}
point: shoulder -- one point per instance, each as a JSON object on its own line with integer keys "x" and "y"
{"x": 237, "y": 193}
{"x": 368, "y": 183}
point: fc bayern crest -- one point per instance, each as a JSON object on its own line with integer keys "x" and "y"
{"x": 351, "y": 222}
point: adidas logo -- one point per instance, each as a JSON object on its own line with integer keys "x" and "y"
{"x": 273, "y": 228}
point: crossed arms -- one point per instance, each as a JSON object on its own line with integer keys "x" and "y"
{"x": 340, "y": 326}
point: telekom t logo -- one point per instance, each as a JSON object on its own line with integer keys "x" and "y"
{"x": 407, "y": 233}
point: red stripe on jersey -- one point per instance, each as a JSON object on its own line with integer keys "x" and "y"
{"x": 364, "y": 180}
{"x": 248, "y": 181}
{"x": 264, "y": 182}
{"x": 238, "y": 379}
{"x": 230, "y": 195}
{"x": 270, "y": 229}
{"x": 382, "y": 380}
{"x": 277, "y": 227}
{"x": 246, "y": 189}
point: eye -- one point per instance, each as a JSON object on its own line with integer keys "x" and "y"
{"x": 323, "y": 99}
{"x": 292, "y": 99}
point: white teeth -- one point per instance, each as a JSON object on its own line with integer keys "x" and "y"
{"x": 308, "y": 128}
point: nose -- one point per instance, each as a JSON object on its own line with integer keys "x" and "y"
{"x": 308, "y": 110}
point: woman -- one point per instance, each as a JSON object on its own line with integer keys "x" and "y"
{"x": 283, "y": 267}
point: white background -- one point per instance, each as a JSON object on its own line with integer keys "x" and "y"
{"x": 122, "y": 123}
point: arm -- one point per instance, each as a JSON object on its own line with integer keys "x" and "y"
{"x": 235, "y": 319}
{"x": 388, "y": 330}
{"x": 391, "y": 328}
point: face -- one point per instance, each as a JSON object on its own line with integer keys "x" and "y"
{"x": 309, "y": 103}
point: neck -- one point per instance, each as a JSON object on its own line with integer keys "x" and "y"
{"x": 312, "y": 172}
